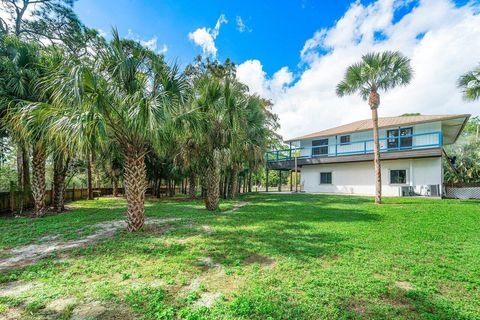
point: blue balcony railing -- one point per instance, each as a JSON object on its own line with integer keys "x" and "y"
{"x": 394, "y": 143}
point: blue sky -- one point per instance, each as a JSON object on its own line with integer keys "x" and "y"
{"x": 294, "y": 52}
{"x": 275, "y": 30}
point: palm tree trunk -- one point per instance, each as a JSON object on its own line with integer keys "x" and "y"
{"x": 23, "y": 178}
{"x": 135, "y": 183}
{"x": 20, "y": 183}
{"x": 89, "y": 176}
{"x": 232, "y": 190}
{"x": 376, "y": 153}
{"x": 115, "y": 186}
{"x": 212, "y": 178}
{"x": 59, "y": 172}
{"x": 192, "y": 185}
{"x": 249, "y": 180}
{"x": 38, "y": 179}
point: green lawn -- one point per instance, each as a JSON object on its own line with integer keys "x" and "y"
{"x": 279, "y": 257}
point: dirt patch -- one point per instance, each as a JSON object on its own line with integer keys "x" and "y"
{"x": 60, "y": 305}
{"x": 237, "y": 206}
{"x": 16, "y": 288}
{"x": 23, "y": 255}
{"x": 157, "y": 229}
{"x": 207, "y": 263}
{"x": 357, "y": 306}
{"x": 213, "y": 283}
{"x": 89, "y": 310}
{"x": 207, "y": 229}
{"x": 12, "y": 314}
{"x": 404, "y": 285}
{"x": 207, "y": 299}
{"x": 259, "y": 259}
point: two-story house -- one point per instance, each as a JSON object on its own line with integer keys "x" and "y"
{"x": 340, "y": 159}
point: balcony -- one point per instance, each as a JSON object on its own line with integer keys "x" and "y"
{"x": 392, "y": 144}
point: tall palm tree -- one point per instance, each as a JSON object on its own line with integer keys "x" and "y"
{"x": 210, "y": 106}
{"x": 125, "y": 92}
{"x": 21, "y": 71}
{"x": 259, "y": 134}
{"x": 376, "y": 72}
{"x": 235, "y": 99}
{"x": 470, "y": 84}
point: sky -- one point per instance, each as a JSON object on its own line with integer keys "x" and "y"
{"x": 294, "y": 52}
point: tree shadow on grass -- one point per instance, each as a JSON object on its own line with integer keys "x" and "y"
{"x": 396, "y": 303}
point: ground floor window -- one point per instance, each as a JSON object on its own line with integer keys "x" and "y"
{"x": 398, "y": 176}
{"x": 325, "y": 178}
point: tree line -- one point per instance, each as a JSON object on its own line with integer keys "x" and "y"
{"x": 68, "y": 94}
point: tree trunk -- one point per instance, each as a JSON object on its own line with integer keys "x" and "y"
{"x": 115, "y": 186}
{"x": 89, "y": 176}
{"x": 233, "y": 188}
{"x": 203, "y": 182}
{"x": 23, "y": 178}
{"x": 249, "y": 180}
{"x": 20, "y": 181}
{"x": 38, "y": 180}
{"x": 212, "y": 178}
{"x": 59, "y": 172}
{"x": 135, "y": 184}
{"x": 192, "y": 185}
{"x": 226, "y": 182}
{"x": 374, "y": 102}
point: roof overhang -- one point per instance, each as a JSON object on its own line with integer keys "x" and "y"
{"x": 452, "y": 128}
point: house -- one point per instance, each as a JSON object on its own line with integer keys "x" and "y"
{"x": 340, "y": 159}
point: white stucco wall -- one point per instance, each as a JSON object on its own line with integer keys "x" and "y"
{"x": 359, "y": 178}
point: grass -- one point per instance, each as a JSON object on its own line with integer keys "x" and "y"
{"x": 280, "y": 257}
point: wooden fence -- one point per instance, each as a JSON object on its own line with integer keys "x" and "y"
{"x": 8, "y": 201}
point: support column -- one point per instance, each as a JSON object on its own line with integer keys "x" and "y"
{"x": 279, "y": 180}
{"x": 291, "y": 181}
{"x": 266, "y": 184}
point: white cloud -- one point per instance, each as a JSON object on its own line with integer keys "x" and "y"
{"x": 151, "y": 43}
{"x": 442, "y": 40}
{"x": 102, "y": 32}
{"x": 205, "y": 37}
{"x": 164, "y": 49}
{"x": 241, "y": 26}
{"x": 251, "y": 72}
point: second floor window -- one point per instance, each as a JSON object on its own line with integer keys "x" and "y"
{"x": 345, "y": 139}
{"x": 320, "y": 147}
{"x": 402, "y": 135}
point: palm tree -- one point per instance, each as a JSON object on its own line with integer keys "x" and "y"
{"x": 376, "y": 72}
{"x": 213, "y": 129}
{"x": 19, "y": 59}
{"x": 259, "y": 133}
{"x": 470, "y": 83}
{"x": 125, "y": 93}
{"x": 235, "y": 102}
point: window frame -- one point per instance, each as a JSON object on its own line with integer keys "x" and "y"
{"x": 344, "y": 143}
{"x": 331, "y": 178}
{"x": 398, "y": 183}
{"x": 317, "y": 148}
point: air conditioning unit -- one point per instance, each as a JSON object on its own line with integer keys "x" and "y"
{"x": 433, "y": 190}
{"x": 406, "y": 191}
